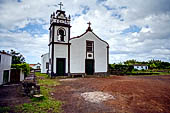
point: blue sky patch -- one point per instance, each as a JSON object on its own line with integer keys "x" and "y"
{"x": 19, "y": 0}
{"x": 147, "y": 26}
{"x": 100, "y": 1}
{"x": 122, "y": 20}
{"x": 118, "y": 16}
{"x": 74, "y": 16}
{"x": 132, "y": 29}
{"x": 33, "y": 29}
{"x": 123, "y": 7}
{"x": 85, "y": 9}
{"x": 109, "y": 8}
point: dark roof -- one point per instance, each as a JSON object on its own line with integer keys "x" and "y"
{"x": 3, "y": 52}
{"x": 89, "y": 30}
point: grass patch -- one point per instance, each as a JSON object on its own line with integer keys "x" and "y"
{"x": 38, "y": 74}
{"x": 48, "y": 82}
{"x": 44, "y": 80}
{"x": 4, "y": 109}
{"x": 45, "y": 104}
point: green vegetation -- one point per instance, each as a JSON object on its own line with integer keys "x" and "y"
{"x": 122, "y": 68}
{"x": 45, "y": 80}
{"x": 153, "y": 64}
{"x": 156, "y": 67}
{"x": 18, "y": 62}
{"x": 46, "y": 103}
{"x": 17, "y": 58}
{"x": 24, "y": 66}
{"x": 4, "y": 109}
{"x": 38, "y": 74}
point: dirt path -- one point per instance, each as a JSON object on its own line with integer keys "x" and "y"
{"x": 10, "y": 96}
{"x": 132, "y": 94}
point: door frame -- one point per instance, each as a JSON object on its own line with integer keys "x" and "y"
{"x": 93, "y": 65}
{"x": 64, "y": 59}
{"x": 15, "y": 75}
{"x": 4, "y": 76}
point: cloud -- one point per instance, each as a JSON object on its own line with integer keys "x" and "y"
{"x": 135, "y": 30}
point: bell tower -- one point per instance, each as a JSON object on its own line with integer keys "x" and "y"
{"x": 59, "y": 43}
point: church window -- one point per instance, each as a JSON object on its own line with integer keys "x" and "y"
{"x": 89, "y": 46}
{"x": 61, "y": 35}
{"x": 47, "y": 65}
{"x": 0, "y": 58}
{"x": 89, "y": 55}
{"x": 50, "y": 61}
{"x": 38, "y": 67}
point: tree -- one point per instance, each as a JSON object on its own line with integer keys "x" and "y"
{"x": 131, "y": 62}
{"x": 17, "y": 58}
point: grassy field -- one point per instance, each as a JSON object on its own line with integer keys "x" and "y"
{"x": 46, "y": 103}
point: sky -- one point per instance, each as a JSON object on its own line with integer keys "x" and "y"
{"x": 134, "y": 29}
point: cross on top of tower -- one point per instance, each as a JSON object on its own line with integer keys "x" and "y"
{"x": 89, "y": 23}
{"x": 60, "y": 4}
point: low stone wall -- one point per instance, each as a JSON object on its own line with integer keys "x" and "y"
{"x": 30, "y": 87}
{"x": 101, "y": 73}
{"x": 84, "y": 74}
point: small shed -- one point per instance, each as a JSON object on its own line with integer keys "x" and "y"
{"x": 45, "y": 63}
{"x": 36, "y": 67}
{"x": 5, "y": 65}
{"x": 140, "y": 66}
{"x": 16, "y": 75}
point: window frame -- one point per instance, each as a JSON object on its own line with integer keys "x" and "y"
{"x": 47, "y": 65}
{"x": 90, "y": 44}
{"x": 0, "y": 59}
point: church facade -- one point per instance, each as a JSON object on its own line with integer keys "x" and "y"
{"x": 86, "y": 54}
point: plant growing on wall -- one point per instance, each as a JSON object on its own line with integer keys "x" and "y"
{"x": 24, "y": 66}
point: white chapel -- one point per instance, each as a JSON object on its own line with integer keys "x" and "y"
{"x": 86, "y": 54}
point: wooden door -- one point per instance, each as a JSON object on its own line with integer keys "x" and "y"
{"x": 15, "y": 75}
{"x": 60, "y": 66}
{"x": 89, "y": 66}
{"x": 5, "y": 76}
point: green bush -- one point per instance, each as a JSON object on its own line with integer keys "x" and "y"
{"x": 4, "y": 109}
{"x": 24, "y": 66}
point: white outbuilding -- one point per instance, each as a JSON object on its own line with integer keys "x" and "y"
{"x": 140, "y": 66}
{"x": 44, "y": 63}
{"x": 5, "y": 65}
{"x": 86, "y": 54}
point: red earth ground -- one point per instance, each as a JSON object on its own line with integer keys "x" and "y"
{"x": 142, "y": 94}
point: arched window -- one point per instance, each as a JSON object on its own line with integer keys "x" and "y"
{"x": 61, "y": 35}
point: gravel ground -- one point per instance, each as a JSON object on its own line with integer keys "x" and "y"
{"x": 96, "y": 96}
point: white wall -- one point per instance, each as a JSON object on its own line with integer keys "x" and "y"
{"x": 44, "y": 60}
{"x": 78, "y": 54}
{"x": 21, "y": 75}
{"x": 36, "y": 66}
{"x": 141, "y": 67}
{"x": 5, "y": 64}
{"x": 1, "y": 77}
{"x": 61, "y": 51}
